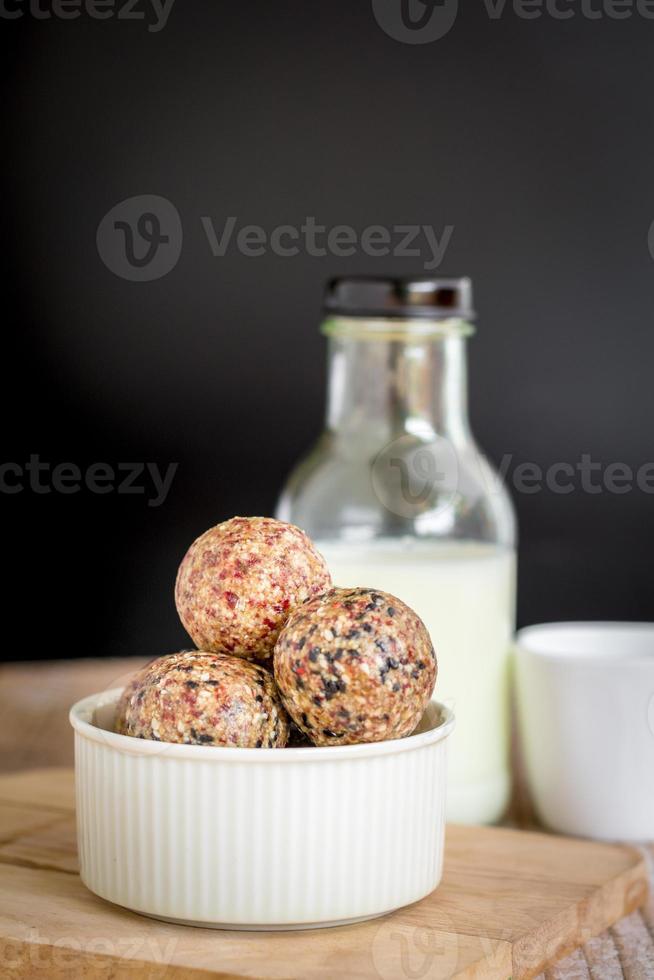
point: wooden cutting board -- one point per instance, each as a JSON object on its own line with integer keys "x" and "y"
{"x": 511, "y": 902}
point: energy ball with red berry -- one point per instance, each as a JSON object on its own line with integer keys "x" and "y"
{"x": 201, "y": 698}
{"x": 240, "y": 581}
{"x": 355, "y": 665}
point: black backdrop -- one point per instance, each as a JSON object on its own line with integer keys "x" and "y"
{"x": 533, "y": 138}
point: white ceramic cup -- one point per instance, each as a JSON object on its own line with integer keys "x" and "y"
{"x": 586, "y": 716}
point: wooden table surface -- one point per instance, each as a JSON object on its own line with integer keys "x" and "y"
{"x": 34, "y": 733}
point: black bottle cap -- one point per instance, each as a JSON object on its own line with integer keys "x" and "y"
{"x": 421, "y": 297}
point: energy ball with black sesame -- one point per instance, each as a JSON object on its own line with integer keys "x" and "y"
{"x": 355, "y": 665}
{"x": 240, "y": 581}
{"x": 201, "y": 698}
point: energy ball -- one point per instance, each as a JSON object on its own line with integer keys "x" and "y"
{"x": 132, "y": 686}
{"x": 240, "y": 581}
{"x": 355, "y": 665}
{"x": 201, "y": 698}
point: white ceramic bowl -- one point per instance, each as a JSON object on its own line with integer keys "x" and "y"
{"x": 259, "y": 838}
{"x": 586, "y": 713}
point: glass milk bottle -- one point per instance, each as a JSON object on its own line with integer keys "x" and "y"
{"x": 398, "y": 496}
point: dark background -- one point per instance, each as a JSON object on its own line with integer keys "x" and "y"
{"x": 534, "y": 138}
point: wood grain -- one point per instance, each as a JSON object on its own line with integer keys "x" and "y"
{"x": 53, "y": 789}
{"x": 510, "y": 902}
{"x": 53, "y": 847}
{"x": 92, "y": 928}
{"x": 16, "y": 819}
{"x": 35, "y": 699}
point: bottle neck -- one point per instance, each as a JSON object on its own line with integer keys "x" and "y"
{"x": 380, "y": 388}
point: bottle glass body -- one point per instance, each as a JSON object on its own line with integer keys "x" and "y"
{"x": 398, "y": 496}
